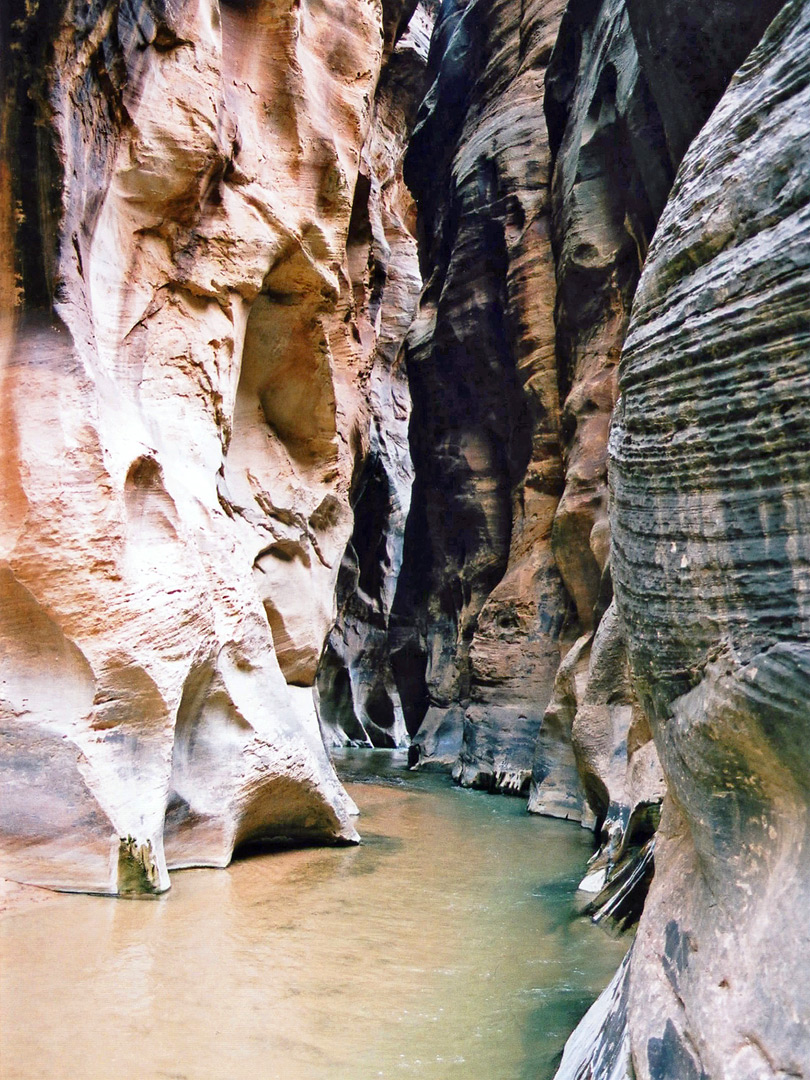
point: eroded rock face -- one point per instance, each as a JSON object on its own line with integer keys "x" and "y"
{"x": 480, "y": 605}
{"x": 687, "y": 52}
{"x": 611, "y": 178}
{"x": 177, "y": 427}
{"x": 711, "y": 565}
{"x": 619, "y": 130}
{"x": 358, "y": 697}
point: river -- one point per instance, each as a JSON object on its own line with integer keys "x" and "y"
{"x": 444, "y": 946}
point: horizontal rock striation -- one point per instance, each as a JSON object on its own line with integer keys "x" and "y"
{"x": 177, "y": 197}
{"x": 711, "y": 563}
{"x": 628, "y": 87}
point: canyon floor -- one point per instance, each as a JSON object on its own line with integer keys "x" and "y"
{"x": 444, "y": 945}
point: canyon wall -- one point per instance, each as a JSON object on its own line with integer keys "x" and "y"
{"x": 189, "y": 195}
{"x": 711, "y": 485}
{"x": 358, "y": 698}
{"x": 512, "y": 360}
{"x": 688, "y": 680}
{"x": 619, "y": 129}
{"x": 708, "y": 474}
{"x": 229, "y": 496}
{"x": 480, "y": 607}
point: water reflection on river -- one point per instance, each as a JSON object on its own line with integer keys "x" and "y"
{"x": 444, "y": 946}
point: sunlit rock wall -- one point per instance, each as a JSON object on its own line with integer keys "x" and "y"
{"x": 177, "y": 190}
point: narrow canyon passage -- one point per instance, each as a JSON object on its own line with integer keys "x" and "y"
{"x": 444, "y": 945}
{"x": 420, "y": 378}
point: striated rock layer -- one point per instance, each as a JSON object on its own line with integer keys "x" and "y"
{"x": 628, "y": 87}
{"x": 178, "y": 408}
{"x": 712, "y": 567}
{"x": 513, "y": 373}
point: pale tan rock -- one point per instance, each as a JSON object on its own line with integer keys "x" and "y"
{"x": 177, "y": 443}
{"x": 556, "y": 788}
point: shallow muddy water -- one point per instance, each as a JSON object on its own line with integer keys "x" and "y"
{"x": 444, "y": 946}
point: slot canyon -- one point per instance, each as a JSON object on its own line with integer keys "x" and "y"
{"x": 406, "y": 443}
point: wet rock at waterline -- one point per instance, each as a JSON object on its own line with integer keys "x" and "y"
{"x": 711, "y": 563}
{"x": 599, "y": 1049}
{"x": 611, "y": 772}
{"x": 182, "y": 392}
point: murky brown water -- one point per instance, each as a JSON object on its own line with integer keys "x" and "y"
{"x": 442, "y": 947}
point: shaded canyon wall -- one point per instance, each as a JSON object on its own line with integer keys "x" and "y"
{"x": 691, "y": 678}
{"x": 480, "y": 608}
{"x": 208, "y": 265}
{"x": 711, "y": 480}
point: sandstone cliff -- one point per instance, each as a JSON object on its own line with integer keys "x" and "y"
{"x": 183, "y": 413}
{"x": 654, "y": 686}
{"x": 207, "y": 266}
{"x": 705, "y": 600}
{"x": 358, "y": 697}
{"x": 711, "y": 501}
{"x": 480, "y": 606}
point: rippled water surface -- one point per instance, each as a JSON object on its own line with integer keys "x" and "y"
{"x": 444, "y": 946}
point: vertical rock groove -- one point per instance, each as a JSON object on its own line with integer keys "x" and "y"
{"x": 480, "y": 607}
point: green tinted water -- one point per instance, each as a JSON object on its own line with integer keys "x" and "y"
{"x": 444, "y": 946}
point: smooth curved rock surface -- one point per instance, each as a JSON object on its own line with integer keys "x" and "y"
{"x": 711, "y": 567}
{"x": 177, "y": 447}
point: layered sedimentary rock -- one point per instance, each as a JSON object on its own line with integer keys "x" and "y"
{"x": 628, "y": 86}
{"x": 712, "y": 568}
{"x": 178, "y": 183}
{"x": 610, "y": 180}
{"x": 480, "y": 606}
{"x": 510, "y": 499}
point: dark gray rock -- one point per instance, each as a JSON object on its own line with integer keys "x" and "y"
{"x": 711, "y": 561}
{"x": 611, "y": 177}
{"x": 480, "y": 608}
{"x": 358, "y": 699}
{"x": 688, "y": 51}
